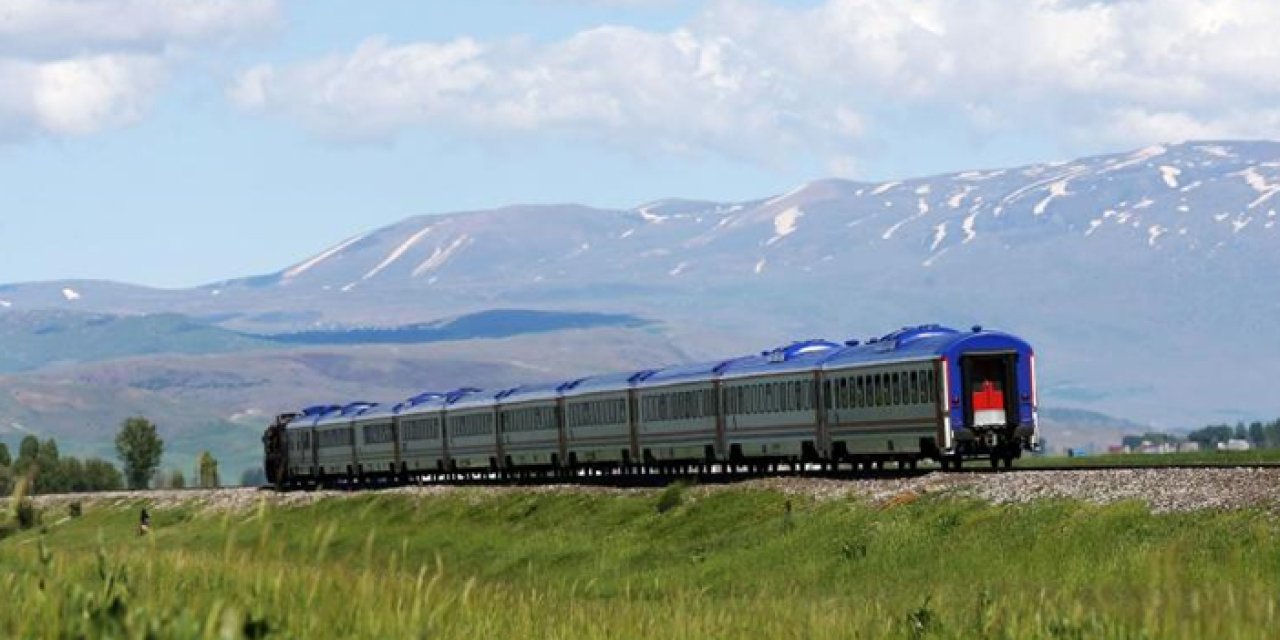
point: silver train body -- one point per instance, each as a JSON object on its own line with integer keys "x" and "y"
{"x": 922, "y": 392}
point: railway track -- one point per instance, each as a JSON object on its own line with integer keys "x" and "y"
{"x": 721, "y": 477}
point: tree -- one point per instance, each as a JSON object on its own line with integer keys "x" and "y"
{"x": 140, "y": 450}
{"x": 70, "y": 476}
{"x": 101, "y": 475}
{"x": 29, "y": 447}
{"x": 175, "y": 480}
{"x": 208, "y": 468}
{"x": 28, "y": 451}
{"x": 49, "y": 478}
{"x": 5, "y": 459}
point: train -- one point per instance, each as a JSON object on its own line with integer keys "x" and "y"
{"x": 919, "y": 393}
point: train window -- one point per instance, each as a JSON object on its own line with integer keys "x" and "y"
{"x": 827, "y": 401}
{"x": 914, "y": 388}
{"x": 842, "y": 399}
{"x": 895, "y": 389}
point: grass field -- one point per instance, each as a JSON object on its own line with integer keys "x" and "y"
{"x": 680, "y": 563}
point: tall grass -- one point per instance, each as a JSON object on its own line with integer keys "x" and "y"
{"x": 727, "y": 564}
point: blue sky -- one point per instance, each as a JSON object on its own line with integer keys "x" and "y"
{"x": 177, "y": 143}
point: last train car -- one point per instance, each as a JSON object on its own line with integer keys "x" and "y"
{"x": 935, "y": 392}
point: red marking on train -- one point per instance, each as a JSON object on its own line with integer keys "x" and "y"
{"x": 988, "y": 397}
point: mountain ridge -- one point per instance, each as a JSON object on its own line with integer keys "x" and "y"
{"x": 1134, "y": 273}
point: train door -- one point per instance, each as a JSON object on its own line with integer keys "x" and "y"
{"x": 990, "y": 386}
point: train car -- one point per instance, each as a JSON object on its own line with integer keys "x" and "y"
{"x": 679, "y": 413}
{"x": 930, "y": 391}
{"x": 470, "y": 422}
{"x": 771, "y": 403}
{"x": 529, "y": 426}
{"x": 335, "y": 448}
{"x": 600, "y": 420}
{"x": 304, "y": 463}
{"x": 377, "y": 445}
{"x": 420, "y": 422}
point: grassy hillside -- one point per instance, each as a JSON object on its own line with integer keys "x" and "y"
{"x": 680, "y": 563}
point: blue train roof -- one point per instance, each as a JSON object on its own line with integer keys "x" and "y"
{"x": 606, "y": 382}
{"x": 431, "y": 401}
{"x": 691, "y": 372}
{"x": 924, "y": 341}
{"x": 531, "y": 392}
{"x": 469, "y": 398}
{"x": 797, "y": 356}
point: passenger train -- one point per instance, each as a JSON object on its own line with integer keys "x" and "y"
{"x": 924, "y": 392}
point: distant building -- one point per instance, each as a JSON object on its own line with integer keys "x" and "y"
{"x": 1188, "y": 447}
{"x": 1234, "y": 444}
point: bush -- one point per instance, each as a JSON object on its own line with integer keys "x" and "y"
{"x": 671, "y": 497}
{"x": 75, "y": 510}
{"x": 26, "y": 514}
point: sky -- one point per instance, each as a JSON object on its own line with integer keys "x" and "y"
{"x": 173, "y": 143}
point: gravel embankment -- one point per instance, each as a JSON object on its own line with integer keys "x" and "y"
{"x": 1163, "y": 490}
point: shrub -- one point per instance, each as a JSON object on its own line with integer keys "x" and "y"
{"x": 671, "y": 497}
{"x": 26, "y": 514}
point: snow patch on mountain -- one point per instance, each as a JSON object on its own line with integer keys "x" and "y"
{"x": 1260, "y": 184}
{"x": 71, "y": 294}
{"x": 1170, "y": 175}
{"x": 321, "y": 257}
{"x": 777, "y": 199}
{"x": 441, "y": 255}
{"x": 784, "y": 224}
{"x": 1218, "y": 151}
{"x": 958, "y": 197}
{"x": 939, "y": 234}
{"x": 678, "y": 269}
{"x": 6, "y": 304}
{"x": 967, "y": 227}
{"x": 760, "y": 266}
{"x": 885, "y": 187}
{"x": 1138, "y": 157}
{"x": 1056, "y": 190}
{"x": 397, "y": 252}
{"x": 649, "y": 216}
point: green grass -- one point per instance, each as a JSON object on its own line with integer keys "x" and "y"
{"x": 675, "y": 564}
{"x": 1256, "y": 456}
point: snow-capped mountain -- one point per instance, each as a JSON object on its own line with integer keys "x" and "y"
{"x": 1147, "y": 278}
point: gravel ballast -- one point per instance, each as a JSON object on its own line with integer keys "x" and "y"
{"x": 1162, "y": 490}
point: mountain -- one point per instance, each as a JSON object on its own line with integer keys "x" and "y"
{"x": 1145, "y": 279}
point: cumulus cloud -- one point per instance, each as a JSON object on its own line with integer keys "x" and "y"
{"x": 750, "y": 77}
{"x": 72, "y": 67}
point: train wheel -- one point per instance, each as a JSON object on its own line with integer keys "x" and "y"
{"x": 1008, "y": 462}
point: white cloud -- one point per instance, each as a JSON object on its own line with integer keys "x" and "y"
{"x": 62, "y": 27}
{"x": 751, "y": 78}
{"x": 73, "y": 67}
